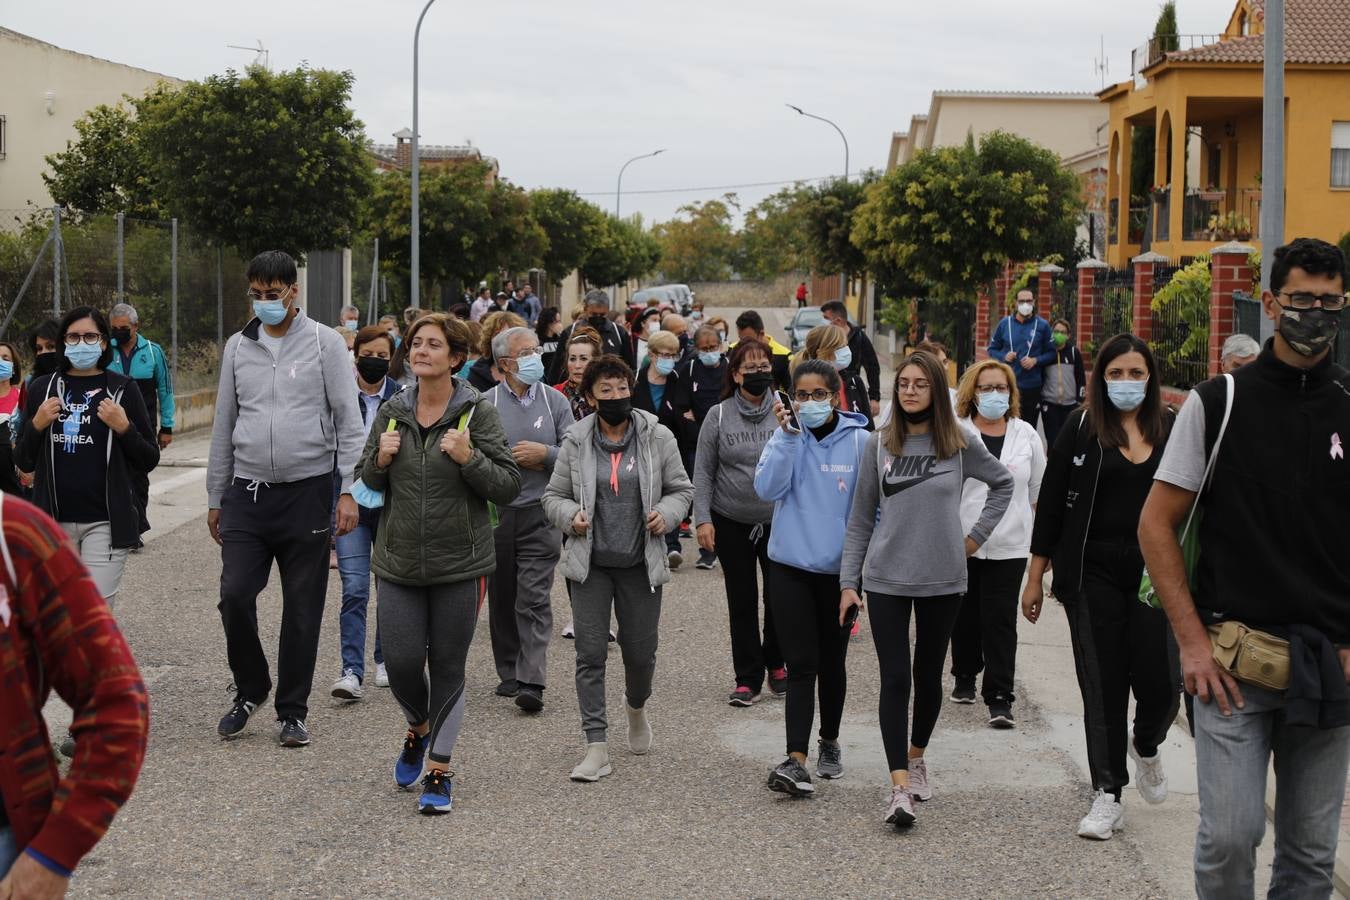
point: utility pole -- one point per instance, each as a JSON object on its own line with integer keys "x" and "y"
{"x": 1272, "y": 149}
{"x": 415, "y": 296}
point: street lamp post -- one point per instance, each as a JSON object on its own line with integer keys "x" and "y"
{"x": 416, "y": 294}
{"x": 843, "y": 277}
{"x": 618, "y": 191}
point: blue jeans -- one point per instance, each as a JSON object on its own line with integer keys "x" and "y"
{"x": 1231, "y": 757}
{"x": 8, "y": 850}
{"x": 353, "y": 552}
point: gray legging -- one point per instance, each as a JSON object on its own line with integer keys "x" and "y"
{"x": 638, "y": 608}
{"x": 428, "y": 629}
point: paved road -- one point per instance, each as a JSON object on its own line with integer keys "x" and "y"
{"x": 247, "y": 818}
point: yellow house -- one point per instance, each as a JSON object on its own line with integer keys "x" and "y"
{"x": 1204, "y": 92}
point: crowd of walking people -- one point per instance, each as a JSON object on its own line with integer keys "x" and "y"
{"x": 471, "y": 456}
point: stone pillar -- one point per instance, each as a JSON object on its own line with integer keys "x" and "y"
{"x": 1045, "y": 289}
{"x": 1144, "y": 265}
{"x": 1230, "y": 271}
{"x": 1091, "y": 289}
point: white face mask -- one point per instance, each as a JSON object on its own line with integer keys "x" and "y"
{"x": 1025, "y": 309}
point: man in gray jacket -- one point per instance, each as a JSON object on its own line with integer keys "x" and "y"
{"x": 286, "y": 417}
{"x": 520, "y": 618}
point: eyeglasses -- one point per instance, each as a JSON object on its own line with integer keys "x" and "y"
{"x": 89, "y": 337}
{"x": 671, "y": 356}
{"x": 524, "y": 354}
{"x": 763, "y": 367}
{"x": 816, "y": 395}
{"x": 992, "y": 389}
{"x": 269, "y": 296}
{"x": 1303, "y": 300}
{"x": 904, "y": 385}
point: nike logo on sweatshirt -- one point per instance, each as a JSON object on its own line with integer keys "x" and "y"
{"x": 907, "y": 471}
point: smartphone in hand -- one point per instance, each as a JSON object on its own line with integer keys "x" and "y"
{"x": 793, "y": 423}
{"x": 850, "y": 618}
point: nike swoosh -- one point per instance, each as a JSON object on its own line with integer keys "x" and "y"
{"x": 890, "y": 488}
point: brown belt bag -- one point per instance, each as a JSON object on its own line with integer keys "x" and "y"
{"x": 1251, "y": 656}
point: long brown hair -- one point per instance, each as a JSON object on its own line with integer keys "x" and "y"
{"x": 947, "y": 437}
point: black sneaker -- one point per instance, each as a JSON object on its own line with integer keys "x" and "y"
{"x": 792, "y": 778}
{"x": 530, "y": 698}
{"x": 1000, "y": 715}
{"x": 293, "y": 733}
{"x": 778, "y": 681}
{"x": 706, "y": 560}
{"x": 234, "y": 721}
{"x": 67, "y": 748}
{"x": 964, "y": 692}
{"x": 507, "y": 688}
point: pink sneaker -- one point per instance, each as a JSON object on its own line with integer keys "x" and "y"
{"x": 900, "y": 809}
{"x": 778, "y": 681}
{"x": 918, "y": 780}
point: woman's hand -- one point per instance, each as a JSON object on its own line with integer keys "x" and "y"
{"x": 114, "y": 416}
{"x": 656, "y": 523}
{"x": 390, "y": 441}
{"x": 784, "y": 416}
{"x": 971, "y": 546}
{"x": 848, "y": 598}
{"x": 1033, "y": 597}
{"x": 46, "y": 413}
{"x": 456, "y": 445}
{"x": 707, "y": 537}
{"x": 580, "y": 523}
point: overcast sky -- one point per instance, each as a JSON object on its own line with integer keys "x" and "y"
{"x": 563, "y": 93}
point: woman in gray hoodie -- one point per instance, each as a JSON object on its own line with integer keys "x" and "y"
{"x": 733, "y": 521}
{"x": 618, "y": 486}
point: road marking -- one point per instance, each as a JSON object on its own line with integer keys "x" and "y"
{"x": 174, "y": 483}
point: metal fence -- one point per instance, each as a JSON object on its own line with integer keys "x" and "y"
{"x": 1064, "y": 298}
{"x": 1180, "y": 350}
{"x": 1117, "y": 305}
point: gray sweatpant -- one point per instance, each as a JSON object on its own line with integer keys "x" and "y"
{"x": 93, "y": 541}
{"x": 638, "y": 609}
{"x": 520, "y": 617}
{"x": 426, "y": 631}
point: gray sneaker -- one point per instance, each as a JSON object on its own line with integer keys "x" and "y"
{"x": 900, "y": 808}
{"x": 792, "y": 778}
{"x": 830, "y": 760}
{"x": 919, "y": 786}
{"x": 348, "y": 687}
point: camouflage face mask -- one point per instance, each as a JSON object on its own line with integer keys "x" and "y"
{"x": 1309, "y": 331}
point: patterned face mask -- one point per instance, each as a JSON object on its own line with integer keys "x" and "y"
{"x": 1309, "y": 331}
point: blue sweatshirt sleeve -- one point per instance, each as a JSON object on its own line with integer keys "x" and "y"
{"x": 998, "y": 341}
{"x": 1043, "y": 348}
{"x": 164, "y": 387}
{"x": 773, "y": 474}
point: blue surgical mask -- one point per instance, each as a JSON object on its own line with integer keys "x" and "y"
{"x": 530, "y": 369}
{"x": 270, "y": 312}
{"x": 815, "y": 413}
{"x": 665, "y": 366}
{"x": 843, "y": 358}
{"x": 6, "y": 370}
{"x": 711, "y": 360}
{"x": 83, "y": 356}
{"x": 1126, "y": 395}
{"x": 992, "y": 405}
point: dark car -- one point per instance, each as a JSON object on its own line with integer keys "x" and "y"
{"x": 803, "y": 320}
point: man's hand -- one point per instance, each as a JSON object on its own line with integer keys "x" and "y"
{"x": 46, "y": 413}
{"x": 29, "y": 879}
{"x": 876, "y": 408}
{"x": 165, "y": 439}
{"x": 1033, "y": 598}
{"x": 1010, "y": 356}
{"x": 707, "y": 537}
{"x": 213, "y": 525}
{"x": 1028, "y": 363}
{"x": 1205, "y": 680}
{"x": 113, "y": 415}
{"x": 456, "y": 445}
{"x": 530, "y": 455}
{"x": 656, "y": 523}
{"x": 689, "y": 414}
{"x": 347, "y": 514}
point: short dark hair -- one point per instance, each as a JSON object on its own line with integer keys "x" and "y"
{"x": 819, "y": 367}
{"x": 459, "y": 310}
{"x": 1313, "y": 256}
{"x": 607, "y": 366}
{"x": 1103, "y": 417}
{"x": 17, "y": 362}
{"x": 750, "y": 319}
{"x": 101, "y": 323}
{"x": 272, "y": 266}
{"x": 47, "y": 330}
{"x": 737, "y": 356}
{"x": 547, "y": 316}
{"x": 370, "y": 334}
{"x": 833, "y": 306}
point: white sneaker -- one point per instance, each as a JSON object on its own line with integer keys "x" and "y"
{"x": 381, "y": 675}
{"x": 348, "y": 687}
{"x": 1106, "y": 816}
{"x": 569, "y": 632}
{"x": 639, "y": 730}
{"x": 920, "y": 788}
{"x": 595, "y": 765}
{"x": 1149, "y": 776}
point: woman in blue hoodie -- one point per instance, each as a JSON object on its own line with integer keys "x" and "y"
{"x": 808, "y": 470}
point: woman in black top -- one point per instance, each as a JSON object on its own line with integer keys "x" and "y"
{"x": 698, "y": 388}
{"x": 1064, "y": 384}
{"x": 547, "y": 329}
{"x": 1098, "y": 476}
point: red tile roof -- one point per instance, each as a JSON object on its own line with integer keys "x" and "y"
{"x": 1317, "y": 32}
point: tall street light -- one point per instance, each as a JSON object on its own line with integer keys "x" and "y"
{"x": 843, "y": 278}
{"x": 416, "y": 294}
{"x": 618, "y": 191}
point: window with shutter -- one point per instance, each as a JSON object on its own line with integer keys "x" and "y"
{"x": 1340, "y": 154}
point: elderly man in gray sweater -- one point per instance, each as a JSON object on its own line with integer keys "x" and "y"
{"x": 520, "y": 617}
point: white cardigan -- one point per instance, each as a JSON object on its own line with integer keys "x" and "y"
{"x": 1024, "y": 455}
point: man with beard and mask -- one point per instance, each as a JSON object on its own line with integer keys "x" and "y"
{"x": 1272, "y": 568}
{"x": 595, "y": 314}
{"x": 732, "y": 521}
{"x": 535, "y": 417}
{"x": 144, "y": 362}
{"x": 1023, "y": 341}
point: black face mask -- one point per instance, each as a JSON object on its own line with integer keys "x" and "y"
{"x": 122, "y": 336}
{"x": 597, "y": 322}
{"x": 615, "y": 411}
{"x": 45, "y": 364}
{"x": 372, "y": 369}
{"x": 756, "y": 383}
{"x": 917, "y": 418}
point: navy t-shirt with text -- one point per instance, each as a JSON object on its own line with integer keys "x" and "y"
{"x": 80, "y": 451}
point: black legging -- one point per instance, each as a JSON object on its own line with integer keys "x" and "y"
{"x": 934, "y": 618}
{"x": 806, "y": 620}
{"x": 739, "y": 547}
{"x": 985, "y": 636}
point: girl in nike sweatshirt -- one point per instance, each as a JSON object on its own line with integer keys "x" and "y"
{"x": 905, "y": 546}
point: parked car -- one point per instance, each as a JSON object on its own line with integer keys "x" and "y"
{"x": 803, "y": 320}
{"x": 682, "y": 296}
{"x": 638, "y": 302}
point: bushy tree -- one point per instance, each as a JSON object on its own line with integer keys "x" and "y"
{"x": 828, "y": 212}
{"x": 623, "y": 251}
{"x": 572, "y": 225}
{"x": 700, "y": 244}
{"x": 104, "y": 170}
{"x": 773, "y": 236}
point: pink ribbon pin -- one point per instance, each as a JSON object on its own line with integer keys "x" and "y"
{"x": 1336, "y": 451}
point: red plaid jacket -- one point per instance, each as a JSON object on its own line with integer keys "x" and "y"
{"x": 56, "y": 633}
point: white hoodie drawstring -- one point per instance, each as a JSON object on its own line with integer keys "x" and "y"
{"x": 253, "y": 486}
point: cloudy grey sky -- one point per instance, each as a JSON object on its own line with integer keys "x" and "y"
{"x": 563, "y": 93}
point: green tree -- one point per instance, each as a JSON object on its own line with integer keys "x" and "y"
{"x": 828, "y": 212}
{"x": 1144, "y": 140}
{"x": 104, "y": 170}
{"x": 622, "y": 251}
{"x": 773, "y": 237}
{"x": 260, "y": 161}
{"x": 573, "y": 226}
{"x": 700, "y": 244}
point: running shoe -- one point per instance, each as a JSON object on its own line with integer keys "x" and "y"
{"x": 706, "y": 560}
{"x": 675, "y": 559}
{"x": 409, "y": 766}
{"x": 436, "y": 799}
{"x": 293, "y": 732}
{"x": 1148, "y": 774}
{"x": 919, "y": 786}
{"x": 743, "y": 696}
{"x": 1104, "y": 819}
{"x": 381, "y": 675}
{"x": 67, "y": 748}
{"x": 234, "y": 721}
{"x": 348, "y": 687}
{"x": 530, "y": 698}
{"x": 569, "y": 632}
{"x": 900, "y": 808}
{"x": 507, "y": 688}
{"x": 791, "y": 777}
{"x": 1000, "y": 715}
{"x": 964, "y": 692}
{"x": 778, "y": 681}
{"x": 830, "y": 760}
